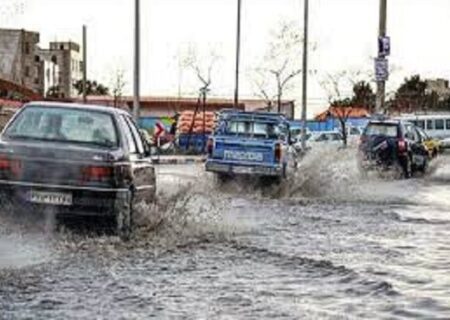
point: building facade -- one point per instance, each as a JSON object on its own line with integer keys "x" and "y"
{"x": 67, "y": 57}
{"x": 54, "y": 70}
{"x": 19, "y": 62}
{"x": 438, "y": 86}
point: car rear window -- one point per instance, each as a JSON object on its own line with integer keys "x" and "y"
{"x": 382, "y": 129}
{"x": 253, "y": 129}
{"x": 64, "y": 125}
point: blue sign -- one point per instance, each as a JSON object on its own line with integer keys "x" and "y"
{"x": 384, "y": 46}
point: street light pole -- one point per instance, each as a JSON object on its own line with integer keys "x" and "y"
{"x": 136, "y": 61}
{"x": 238, "y": 49}
{"x": 305, "y": 73}
{"x": 84, "y": 65}
{"x": 381, "y": 83}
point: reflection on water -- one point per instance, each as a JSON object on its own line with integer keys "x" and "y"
{"x": 326, "y": 244}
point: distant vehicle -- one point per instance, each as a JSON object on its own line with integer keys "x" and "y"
{"x": 326, "y": 138}
{"x": 435, "y": 125}
{"x": 248, "y": 143}
{"x": 296, "y": 142}
{"x": 431, "y": 144}
{"x": 76, "y": 160}
{"x": 334, "y": 138}
{"x": 392, "y": 144}
{"x": 445, "y": 143}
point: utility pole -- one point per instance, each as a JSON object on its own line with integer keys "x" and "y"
{"x": 238, "y": 49}
{"x": 136, "y": 61}
{"x": 305, "y": 73}
{"x": 84, "y": 64}
{"x": 381, "y": 79}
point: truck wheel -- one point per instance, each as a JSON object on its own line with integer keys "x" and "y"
{"x": 222, "y": 178}
{"x": 124, "y": 219}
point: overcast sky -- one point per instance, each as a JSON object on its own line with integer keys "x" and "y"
{"x": 345, "y": 32}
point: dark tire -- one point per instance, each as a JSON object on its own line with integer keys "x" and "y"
{"x": 124, "y": 217}
{"x": 284, "y": 172}
{"x": 434, "y": 154}
{"x": 424, "y": 168}
{"x": 407, "y": 168}
{"x": 222, "y": 178}
{"x": 269, "y": 181}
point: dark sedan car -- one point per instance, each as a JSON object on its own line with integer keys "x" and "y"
{"x": 77, "y": 160}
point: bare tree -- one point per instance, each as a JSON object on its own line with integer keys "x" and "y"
{"x": 273, "y": 78}
{"x": 118, "y": 85}
{"x": 201, "y": 66}
{"x": 341, "y": 106}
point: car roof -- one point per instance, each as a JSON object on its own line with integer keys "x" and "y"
{"x": 67, "y": 105}
{"x": 228, "y": 114}
{"x": 387, "y": 121}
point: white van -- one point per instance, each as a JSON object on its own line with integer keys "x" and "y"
{"x": 435, "y": 125}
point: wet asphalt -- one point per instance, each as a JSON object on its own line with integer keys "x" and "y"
{"x": 324, "y": 245}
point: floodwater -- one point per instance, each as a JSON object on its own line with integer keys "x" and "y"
{"x": 325, "y": 245}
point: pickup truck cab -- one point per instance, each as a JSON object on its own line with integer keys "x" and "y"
{"x": 249, "y": 143}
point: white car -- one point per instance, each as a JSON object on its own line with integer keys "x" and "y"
{"x": 329, "y": 137}
{"x": 445, "y": 143}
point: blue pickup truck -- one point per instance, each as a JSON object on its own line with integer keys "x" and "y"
{"x": 249, "y": 143}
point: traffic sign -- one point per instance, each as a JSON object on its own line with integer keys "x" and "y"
{"x": 159, "y": 129}
{"x": 381, "y": 69}
{"x": 384, "y": 46}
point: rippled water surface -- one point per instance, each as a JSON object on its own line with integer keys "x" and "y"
{"x": 326, "y": 245}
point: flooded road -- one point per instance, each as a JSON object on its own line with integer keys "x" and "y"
{"x": 326, "y": 245}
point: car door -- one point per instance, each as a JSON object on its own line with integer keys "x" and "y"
{"x": 144, "y": 183}
{"x": 419, "y": 153}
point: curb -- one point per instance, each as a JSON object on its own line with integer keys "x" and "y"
{"x": 180, "y": 160}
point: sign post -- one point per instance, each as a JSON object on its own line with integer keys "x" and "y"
{"x": 381, "y": 69}
{"x": 384, "y": 49}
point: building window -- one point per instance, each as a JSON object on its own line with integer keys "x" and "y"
{"x": 27, "y": 71}
{"x": 27, "y": 48}
{"x": 36, "y": 80}
{"x": 37, "y": 59}
{"x": 61, "y": 47}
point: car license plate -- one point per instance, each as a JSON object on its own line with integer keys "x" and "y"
{"x": 242, "y": 170}
{"x": 243, "y": 155}
{"x": 55, "y": 198}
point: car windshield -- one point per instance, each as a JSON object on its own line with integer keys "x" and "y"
{"x": 423, "y": 134}
{"x": 64, "y": 125}
{"x": 253, "y": 129}
{"x": 382, "y": 129}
